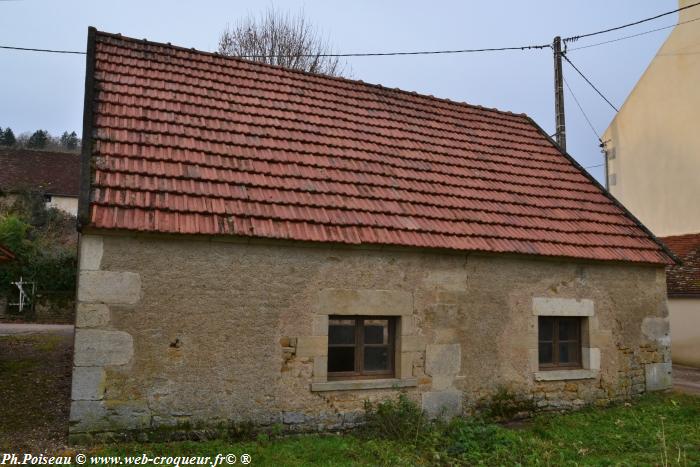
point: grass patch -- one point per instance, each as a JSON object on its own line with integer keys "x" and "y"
{"x": 657, "y": 429}
{"x": 11, "y": 368}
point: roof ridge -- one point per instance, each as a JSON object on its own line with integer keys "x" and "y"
{"x": 337, "y": 90}
{"x": 315, "y": 75}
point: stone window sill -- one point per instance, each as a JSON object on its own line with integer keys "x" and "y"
{"x": 563, "y": 375}
{"x": 352, "y": 385}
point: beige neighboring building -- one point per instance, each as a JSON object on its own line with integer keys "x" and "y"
{"x": 653, "y": 147}
{"x": 267, "y": 245}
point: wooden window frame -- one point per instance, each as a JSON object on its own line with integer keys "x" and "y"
{"x": 556, "y": 365}
{"x": 359, "y": 345}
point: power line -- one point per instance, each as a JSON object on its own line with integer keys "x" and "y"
{"x": 26, "y": 49}
{"x": 424, "y": 52}
{"x": 589, "y": 82}
{"x": 587, "y": 120}
{"x": 369, "y": 54}
{"x": 582, "y": 111}
{"x": 617, "y": 28}
{"x": 632, "y": 36}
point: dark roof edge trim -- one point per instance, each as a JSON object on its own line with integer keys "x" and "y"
{"x": 684, "y": 295}
{"x": 607, "y": 193}
{"x": 86, "y": 153}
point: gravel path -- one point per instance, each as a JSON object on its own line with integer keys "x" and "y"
{"x": 10, "y": 329}
{"x": 686, "y": 379}
{"x": 35, "y": 375}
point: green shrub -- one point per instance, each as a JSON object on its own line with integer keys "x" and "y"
{"x": 454, "y": 442}
{"x": 44, "y": 242}
{"x": 505, "y": 405}
{"x": 398, "y": 420}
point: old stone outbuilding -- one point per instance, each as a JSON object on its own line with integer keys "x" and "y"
{"x": 266, "y": 245}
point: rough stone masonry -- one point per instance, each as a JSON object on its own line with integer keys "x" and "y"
{"x": 205, "y": 331}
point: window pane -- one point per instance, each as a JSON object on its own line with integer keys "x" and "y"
{"x": 376, "y": 358}
{"x": 376, "y": 331}
{"x": 545, "y": 353}
{"x": 546, "y": 327}
{"x": 341, "y": 331}
{"x": 568, "y": 329}
{"x": 568, "y": 352}
{"x": 341, "y": 359}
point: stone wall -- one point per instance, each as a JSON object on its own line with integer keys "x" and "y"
{"x": 174, "y": 331}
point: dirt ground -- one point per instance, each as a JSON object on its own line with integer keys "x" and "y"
{"x": 35, "y": 376}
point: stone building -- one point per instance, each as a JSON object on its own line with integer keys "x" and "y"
{"x": 54, "y": 174}
{"x": 267, "y": 245}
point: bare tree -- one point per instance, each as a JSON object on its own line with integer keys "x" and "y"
{"x": 281, "y": 39}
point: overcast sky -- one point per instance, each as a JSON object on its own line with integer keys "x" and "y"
{"x": 39, "y": 90}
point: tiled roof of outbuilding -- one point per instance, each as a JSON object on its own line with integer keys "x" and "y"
{"x": 195, "y": 143}
{"x": 52, "y": 172}
{"x": 684, "y": 279}
{"x": 5, "y": 254}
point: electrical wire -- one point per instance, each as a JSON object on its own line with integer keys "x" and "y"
{"x": 587, "y": 120}
{"x": 631, "y": 36}
{"x": 617, "y": 28}
{"x": 26, "y": 49}
{"x": 424, "y": 52}
{"x": 589, "y": 82}
{"x": 582, "y": 111}
{"x": 370, "y": 54}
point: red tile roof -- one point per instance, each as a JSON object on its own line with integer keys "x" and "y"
{"x": 53, "y": 172}
{"x": 684, "y": 279}
{"x": 196, "y": 143}
{"x": 5, "y": 255}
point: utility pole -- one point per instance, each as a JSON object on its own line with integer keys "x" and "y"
{"x": 559, "y": 96}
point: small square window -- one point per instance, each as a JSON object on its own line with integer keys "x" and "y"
{"x": 360, "y": 347}
{"x": 559, "y": 342}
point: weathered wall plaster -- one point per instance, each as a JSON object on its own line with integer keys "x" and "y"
{"x": 173, "y": 330}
